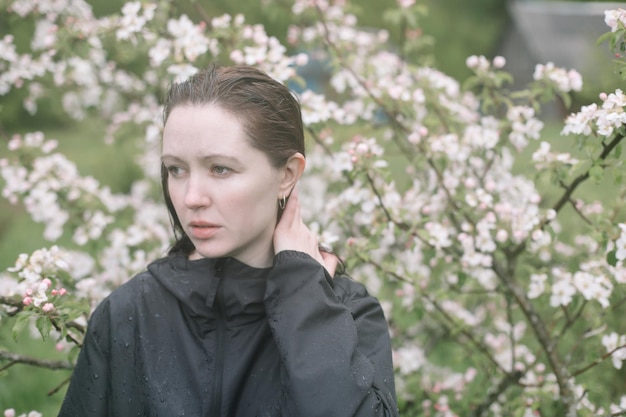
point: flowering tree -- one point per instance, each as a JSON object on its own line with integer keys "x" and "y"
{"x": 504, "y": 296}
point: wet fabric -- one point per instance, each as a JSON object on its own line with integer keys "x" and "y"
{"x": 220, "y": 338}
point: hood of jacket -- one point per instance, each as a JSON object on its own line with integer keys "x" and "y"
{"x": 204, "y": 285}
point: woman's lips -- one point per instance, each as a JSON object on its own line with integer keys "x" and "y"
{"x": 200, "y": 230}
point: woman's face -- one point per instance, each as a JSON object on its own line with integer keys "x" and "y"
{"x": 224, "y": 191}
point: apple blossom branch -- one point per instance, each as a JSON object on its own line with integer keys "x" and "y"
{"x": 575, "y": 207}
{"x": 569, "y": 190}
{"x": 509, "y": 379}
{"x": 570, "y": 320}
{"x": 461, "y": 329}
{"x": 533, "y": 317}
{"x": 547, "y": 343}
{"x": 597, "y": 361}
{"x": 16, "y": 304}
{"x": 15, "y": 359}
{"x": 397, "y": 125}
{"x": 402, "y": 225}
{"x": 319, "y": 141}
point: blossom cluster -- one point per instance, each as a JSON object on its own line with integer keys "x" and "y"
{"x": 50, "y": 174}
{"x": 603, "y": 120}
{"x": 35, "y": 271}
{"x": 481, "y": 63}
{"x": 615, "y": 19}
{"x": 564, "y": 81}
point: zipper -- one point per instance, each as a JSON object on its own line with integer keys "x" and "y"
{"x": 220, "y": 346}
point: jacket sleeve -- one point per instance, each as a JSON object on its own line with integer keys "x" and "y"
{"x": 336, "y": 352}
{"x": 87, "y": 394}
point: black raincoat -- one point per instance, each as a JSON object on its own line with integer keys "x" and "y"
{"x": 220, "y": 338}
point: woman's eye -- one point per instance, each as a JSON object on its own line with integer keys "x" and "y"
{"x": 174, "y": 170}
{"x": 220, "y": 170}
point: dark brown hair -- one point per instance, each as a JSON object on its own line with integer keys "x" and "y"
{"x": 267, "y": 110}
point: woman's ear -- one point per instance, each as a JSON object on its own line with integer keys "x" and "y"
{"x": 291, "y": 173}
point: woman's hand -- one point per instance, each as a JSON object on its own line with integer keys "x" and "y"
{"x": 292, "y": 234}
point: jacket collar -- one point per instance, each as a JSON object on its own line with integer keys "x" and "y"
{"x": 202, "y": 286}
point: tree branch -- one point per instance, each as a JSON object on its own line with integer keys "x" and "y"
{"x": 582, "y": 216}
{"x": 15, "y": 359}
{"x": 461, "y": 329}
{"x": 396, "y": 124}
{"x": 597, "y": 361}
{"x": 569, "y": 190}
{"x": 14, "y": 303}
{"x": 503, "y": 385}
{"x": 58, "y": 387}
{"x": 319, "y": 141}
{"x": 558, "y": 368}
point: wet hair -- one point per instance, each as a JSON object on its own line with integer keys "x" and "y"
{"x": 269, "y": 114}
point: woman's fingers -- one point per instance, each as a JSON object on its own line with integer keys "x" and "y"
{"x": 292, "y": 234}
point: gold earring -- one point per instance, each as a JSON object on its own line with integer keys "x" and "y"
{"x": 282, "y": 202}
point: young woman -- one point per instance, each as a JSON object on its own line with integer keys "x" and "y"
{"x": 245, "y": 316}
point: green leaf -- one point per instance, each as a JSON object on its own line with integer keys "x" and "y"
{"x": 579, "y": 168}
{"x": 604, "y": 37}
{"x": 44, "y": 325}
{"x": 596, "y": 173}
{"x": 611, "y": 259}
{"x": 22, "y": 320}
{"x": 462, "y": 279}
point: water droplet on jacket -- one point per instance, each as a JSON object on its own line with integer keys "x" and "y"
{"x": 95, "y": 376}
{"x": 126, "y": 344}
{"x": 130, "y": 318}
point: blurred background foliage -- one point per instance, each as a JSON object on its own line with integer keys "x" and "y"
{"x": 460, "y": 28}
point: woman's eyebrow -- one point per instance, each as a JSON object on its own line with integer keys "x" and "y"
{"x": 204, "y": 158}
{"x": 218, "y": 156}
{"x": 167, "y": 156}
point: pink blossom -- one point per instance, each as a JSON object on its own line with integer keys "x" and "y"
{"x": 499, "y": 62}
{"x": 48, "y": 307}
{"x": 615, "y": 19}
{"x": 405, "y": 4}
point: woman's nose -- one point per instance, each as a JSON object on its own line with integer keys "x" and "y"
{"x": 197, "y": 194}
